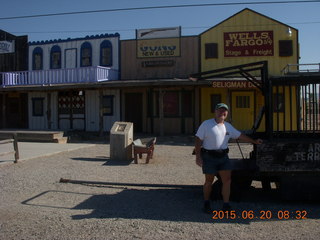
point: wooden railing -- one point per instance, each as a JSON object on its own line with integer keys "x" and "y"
{"x": 301, "y": 68}
{"x": 58, "y": 76}
{"x": 15, "y": 151}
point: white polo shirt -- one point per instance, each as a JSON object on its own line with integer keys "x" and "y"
{"x": 216, "y": 136}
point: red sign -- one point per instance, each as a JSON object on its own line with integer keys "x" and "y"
{"x": 248, "y": 44}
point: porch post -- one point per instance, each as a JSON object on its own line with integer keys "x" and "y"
{"x": 100, "y": 112}
{"x": 3, "y": 110}
{"x": 161, "y": 112}
{"x": 49, "y": 122}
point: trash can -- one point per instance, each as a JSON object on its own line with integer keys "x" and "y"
{"x": 121, "y": 137}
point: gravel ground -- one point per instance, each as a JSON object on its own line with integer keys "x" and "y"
{"x": 120, "y": 200}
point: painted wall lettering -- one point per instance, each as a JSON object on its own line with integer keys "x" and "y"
{"x": 311, "y": 155}
{"x": 155, "y": 48}
{"x": 248, "y": 44}
{"x": 232, "y": 84}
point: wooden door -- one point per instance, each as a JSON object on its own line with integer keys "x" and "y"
{"x": 242, "y": 111}
{"x": 71, "y": 58}
{"x": 16, "y": 110}
{"x": 133, "y": 110}
{"x": 71, "y": 110}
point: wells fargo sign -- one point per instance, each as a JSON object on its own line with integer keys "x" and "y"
{"x": 248, "y": 44}
{"x": 155, "y": 48}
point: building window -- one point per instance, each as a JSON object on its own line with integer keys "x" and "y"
{"x": 106, "y": 53}
{"x": 55, "y": 57}
{"x": 107, "y": 105}
{"x": 211, "y": 50}
{"x": 175, "y": 104}
{"x": 37, "y": 107}
{"x": 243, "y": 101}
{"x": 215, "y": 99}
{"x": 171, "y": 104}
{"x": 86, "y": 54}
{"x": 285, "y": 48}
{"x": 278, "y": 102}
{"x": 37, "y": 59}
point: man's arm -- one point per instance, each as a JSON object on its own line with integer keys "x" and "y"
{"x": 198, "y": 145}
{"x": 248, "y": 139}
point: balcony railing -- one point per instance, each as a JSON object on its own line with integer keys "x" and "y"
{"x": 308, "y": 68}
{"x": 58, "y": 76}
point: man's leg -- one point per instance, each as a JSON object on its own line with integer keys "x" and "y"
{"x": 226, "y": 186}
{"x": 207, "y": 188}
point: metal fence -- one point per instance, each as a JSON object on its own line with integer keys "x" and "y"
{"x": 295, "y": 105}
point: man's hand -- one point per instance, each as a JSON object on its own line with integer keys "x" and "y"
{"x": 248, "y": 139}
{"x": 197, "y": 151}
{"x": 199, "y": 161}
{"x": 258, "y": 141}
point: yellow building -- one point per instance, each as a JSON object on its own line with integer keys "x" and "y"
{"x": 245, "y": 37}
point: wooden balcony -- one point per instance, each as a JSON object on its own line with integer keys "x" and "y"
{"x": 301, "y": 69}
{"x": 58, "y": 76}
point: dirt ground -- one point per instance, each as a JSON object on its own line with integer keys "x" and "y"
{"x": 109, "y": 199}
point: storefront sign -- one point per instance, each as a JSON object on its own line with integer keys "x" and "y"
{"x": 232, "y": 84}
{"x": 248, "y": 44}
{"x": 6, "y": 47}
{"x": 155, "y": 48}
{"x": 160, "y": 63}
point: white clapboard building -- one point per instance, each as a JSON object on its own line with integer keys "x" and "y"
{"x": 65, "y": 83}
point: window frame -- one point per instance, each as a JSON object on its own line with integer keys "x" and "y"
{"x": 86, "y": 46}
{"x": 214, "y": 102}
{"x": 37, "y": 103}
{"x": 104, "y": 107}
{"x": 278, "y": 103}
{"x": 55, "y": 50}
{"x": 285, "y": 48}
{"x": 106, "y": 44}
{"x": 211, "y": 50}
{"x": 38, "y": 51}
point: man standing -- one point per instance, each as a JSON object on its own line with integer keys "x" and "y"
{"x": 211, "y": 148}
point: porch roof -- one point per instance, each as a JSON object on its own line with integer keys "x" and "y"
{"x": 121, "y": 84}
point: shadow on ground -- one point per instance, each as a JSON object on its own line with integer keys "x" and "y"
{"x": 175, "y": 203}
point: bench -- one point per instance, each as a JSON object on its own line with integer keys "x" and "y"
{"x": 15, "y": 147}
{"x": 143, "y": 146}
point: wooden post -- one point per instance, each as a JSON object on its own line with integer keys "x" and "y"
{"x": 100, "y": 113}
{"x": 16, "y": 149}
{"x": 3, "y": 110}
{"x": 49, "y": 110}
{"x": 161, "y": 118}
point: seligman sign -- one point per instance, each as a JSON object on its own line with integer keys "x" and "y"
{"x": 248, "y": 44}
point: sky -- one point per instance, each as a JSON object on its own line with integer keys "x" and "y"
{"x": 193, "y": 20}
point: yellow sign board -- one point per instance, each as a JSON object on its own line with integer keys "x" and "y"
{"x": 156, "y": 48}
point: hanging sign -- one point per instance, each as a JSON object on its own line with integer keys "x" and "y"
{"x": 6, "y": 47}
{"x": 248, "y": 44}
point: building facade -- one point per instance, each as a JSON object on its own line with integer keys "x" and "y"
{"x": 89, "y": 83}
{"x": 245, "y": 37}
{"x": 63, "y": 86}
{"x": 161, "y": 98}
{"x": 13, "y": 57}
